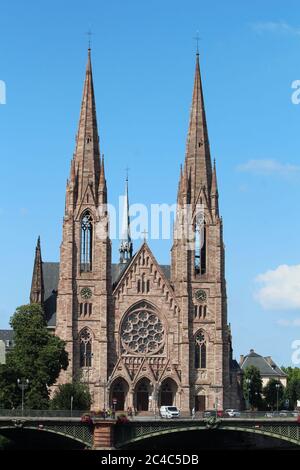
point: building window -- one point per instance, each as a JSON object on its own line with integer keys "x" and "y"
{"x": 200, "y": 247}
{"x": 200, "y": 350}
{"x": 85, "y": 340}
{"x": 86, "y": 242}
{"x": 85, "y": 309}
{"x": 142, "y": 331}
{"x": 200, "y": 311}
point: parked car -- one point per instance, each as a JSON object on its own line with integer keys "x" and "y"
{"x": 209, "y": 413}
{"x": 169, "y": 412}
{"x": 282, "y": 414}
{"x": 285, "y": 413}
{"x": 232, "y": 413}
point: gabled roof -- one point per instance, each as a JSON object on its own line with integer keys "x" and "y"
{"x": 164, "y": 269}
{"x": 51, "y": 276}
{"x": 266, "y": 365}
{"x": 234, "y": 365}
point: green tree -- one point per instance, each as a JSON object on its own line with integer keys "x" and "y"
{"x": 252, "y": 387}
{"x": 62, "y": 397}
{"x": 37, "y": 356}
{"x": 9, "y": 391}
{"x": 292, "y": 392}
{"x": 292, "y": 372}
{"x": 272, "y": 391}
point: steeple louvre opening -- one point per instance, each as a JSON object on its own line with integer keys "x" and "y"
{"x": 86, "y": 252}
{"x": 200, "y": 248}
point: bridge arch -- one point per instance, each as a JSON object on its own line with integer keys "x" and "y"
{"x": 80, "y": 435}
{"x": 290, "y": 436}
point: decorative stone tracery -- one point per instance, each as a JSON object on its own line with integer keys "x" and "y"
{"x": 142, "y": 331}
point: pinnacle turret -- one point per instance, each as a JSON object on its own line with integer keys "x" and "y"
{"x": 37, "y": 284}
{"x": 126, "y": 246}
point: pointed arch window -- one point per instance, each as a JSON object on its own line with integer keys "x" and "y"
{"x": 200, "y": 350}
{"x": 85, "y": 344}
{"x": 86, "y": 257}
{"x": 200, "y": 246}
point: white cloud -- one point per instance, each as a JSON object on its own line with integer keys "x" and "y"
{"x": 279, "y": 288}
{"x": 277, "y": 27}
{"x": 285, "y": 322}
{"x": 269, "y": 167}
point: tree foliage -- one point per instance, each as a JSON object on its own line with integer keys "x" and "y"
{"x": 252, "y": 387}
{"x": 292, "y": 392}
{"x": 274, "y": 391}
{"x": 62, "y": 397}
{"x": 37, "y": 356}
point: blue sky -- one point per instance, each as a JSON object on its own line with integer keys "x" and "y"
{"x": 143, "y": 63}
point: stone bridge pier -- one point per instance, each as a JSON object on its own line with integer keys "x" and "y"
{"x": 103, "y": 437}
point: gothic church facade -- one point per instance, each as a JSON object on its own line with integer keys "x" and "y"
{"x": 139, "y": 333}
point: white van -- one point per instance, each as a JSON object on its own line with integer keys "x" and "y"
{"x": 169, "y": 412}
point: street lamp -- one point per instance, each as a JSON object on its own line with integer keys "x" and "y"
{"x": 23, "y": 385}
{"x": 248, "y": 382}
{"x": 104, "y": 383}
{"x": 277, "y": 395}
{"x": 216, "y": 406}
{"x": 72, "y": 398}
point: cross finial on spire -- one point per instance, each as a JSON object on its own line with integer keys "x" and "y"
{"x": 89, "y": 34}
{"x": 197, "y": 39}
{"x": 127, "y": 170}
{"x": 145, "y": 233}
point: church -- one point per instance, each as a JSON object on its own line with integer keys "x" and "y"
{"x": 141, "y": 334}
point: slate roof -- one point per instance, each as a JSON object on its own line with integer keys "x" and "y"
{"x": 6, "y": 335}
{"x": 235, "y": 365}
{"x": 51, "y": 275}
{"x": 266, "y": 365}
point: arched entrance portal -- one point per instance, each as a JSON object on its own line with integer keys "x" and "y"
{"x": 200, "y": 400}
{"x": 142, "y": 394}
{"x": 118, "y": 395}
{"x": 168, "y": 392}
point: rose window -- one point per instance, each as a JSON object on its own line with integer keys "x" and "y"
{"x": 142, "y": 332}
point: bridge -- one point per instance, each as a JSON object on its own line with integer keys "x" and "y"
{"x": 93, "y": 432}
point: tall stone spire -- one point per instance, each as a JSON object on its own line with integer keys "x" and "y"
{"x": 87, "y": 152}
{"x": 126, "y": 246}
{"x": 37, "y": 284}
{"x": 197, "y": 160}
{"x": 85, "y": 257}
